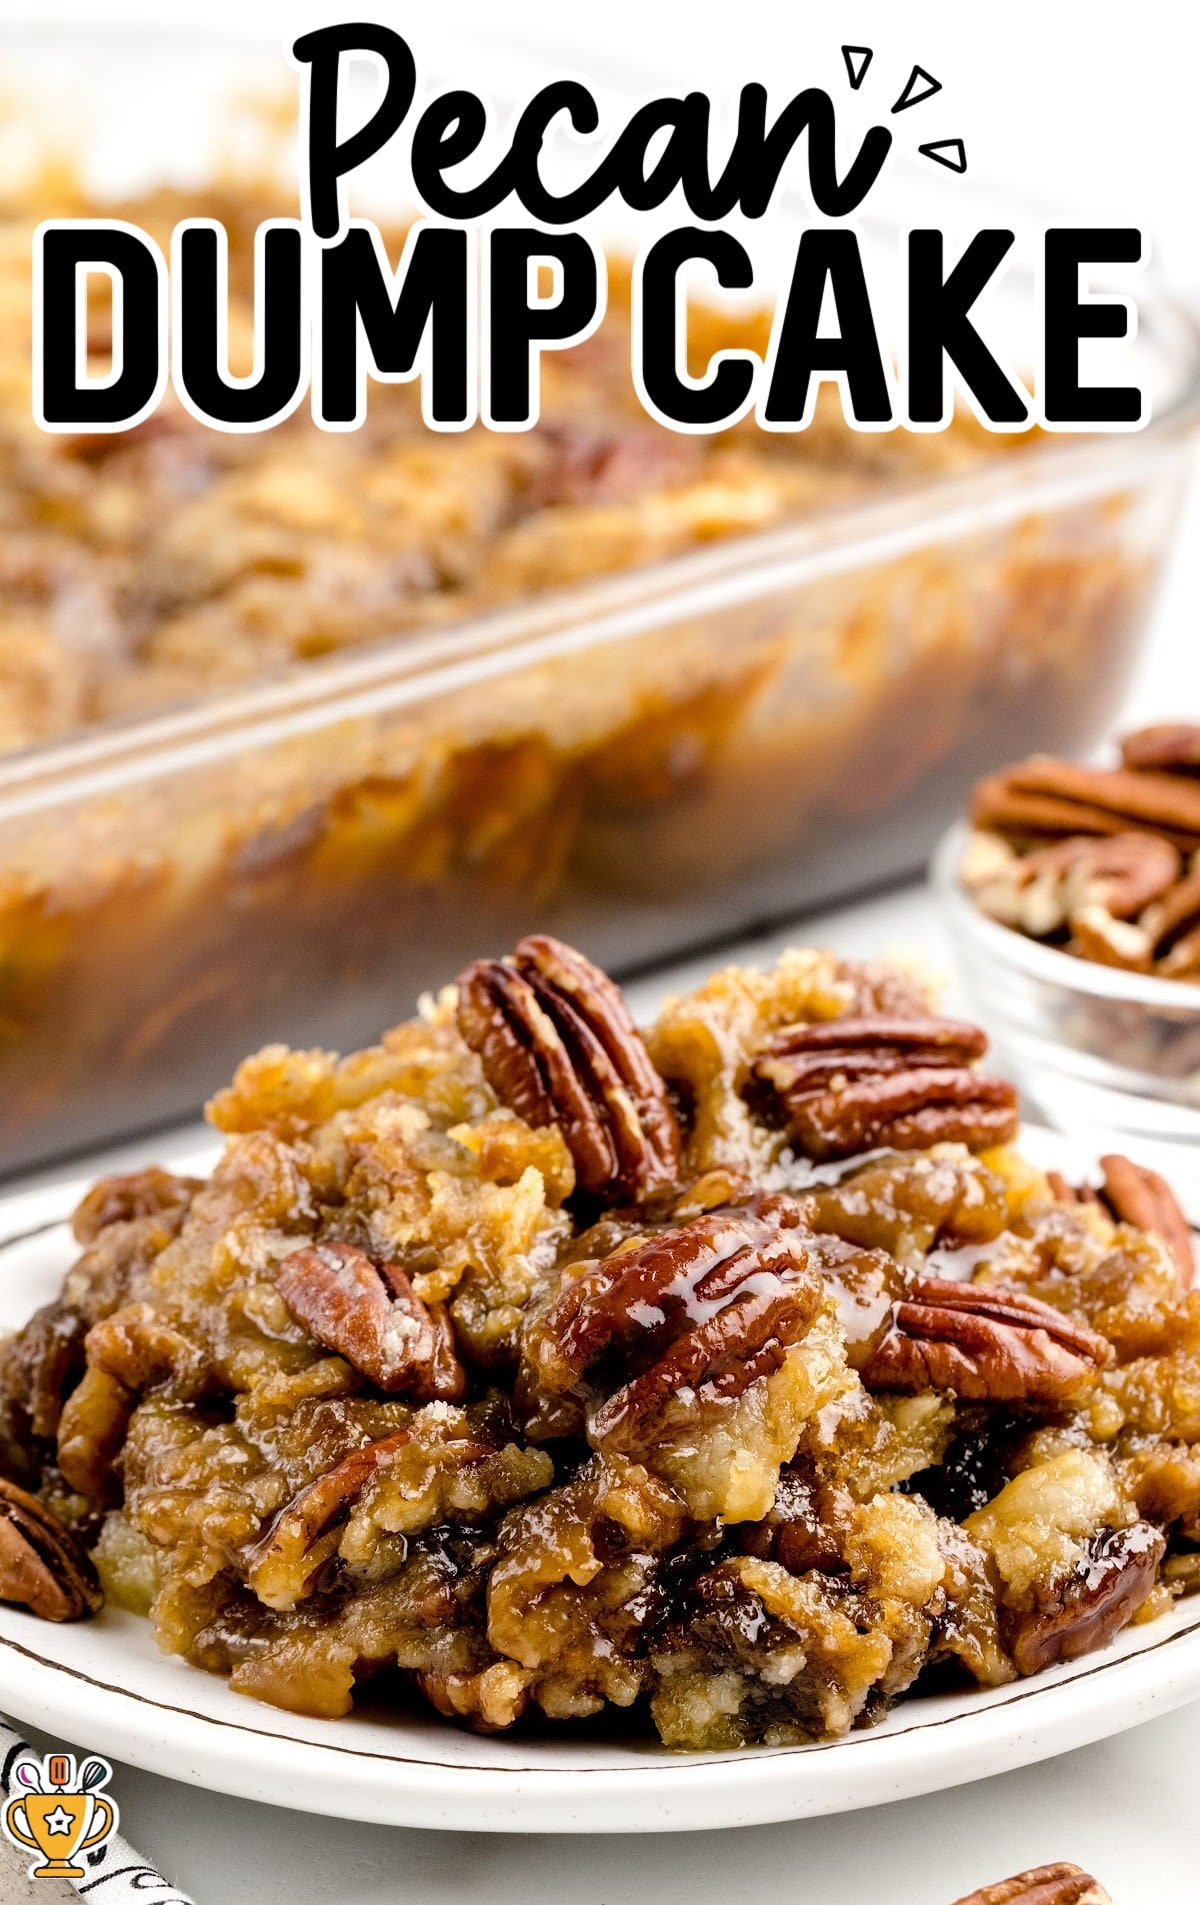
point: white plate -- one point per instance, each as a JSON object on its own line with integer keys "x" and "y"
{"x": 103, "y": 1684}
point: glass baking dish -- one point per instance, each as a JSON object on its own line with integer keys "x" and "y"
{"x": 645, "y": 763}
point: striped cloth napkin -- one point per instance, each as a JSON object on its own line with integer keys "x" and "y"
{"x": 116, "y": 1874}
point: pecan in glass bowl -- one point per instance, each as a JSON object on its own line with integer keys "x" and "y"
{"x": 1098, "y": 1041}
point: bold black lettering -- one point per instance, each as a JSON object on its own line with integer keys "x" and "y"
{"x": 449, "y": 131}
{"x": 201, "y": 297}
{"x": 940, "y": 331}
{"x": 833, "y": 258}
{"x": 453, "y": 126}
{"x": 670, "y": 396}
{"x": 61, "y": 401}
{"x": 1068, "y": 318}
{"x": 683, "y": 160}
{"x": 432, "y": 296}
{"x": 517, "y": 326}
{"x": 759, "y": 155}
{"x": 329, "y": 160}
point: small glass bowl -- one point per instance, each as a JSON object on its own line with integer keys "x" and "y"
{"x": 1108, "y": 1056}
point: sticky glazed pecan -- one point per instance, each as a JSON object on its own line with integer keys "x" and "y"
{"x": 1075, "y": 1613}
{"x": 853, "y": 1084}
{"x": 699, "y": 1312}
{"x": 306, "y": 1533}
{"x": 986, "y": 1345}
{"x": 558, "y": 1046}
{"x": 369, "y": 1314}
{"x": 42, "y": 1566}
{"x": 122, "y": 1199}
{"x": 1060, "y": 1884}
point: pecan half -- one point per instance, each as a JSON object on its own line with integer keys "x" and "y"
{"x": 42, "y": 1565}
{"x": 700, "y": 1312}
{"x": 987, "y": 1345}
{"x": 369, "y": 1314}
{"x": 1172, "y": 747}
{"x": 1044, "y": 1885}
{"x": 558, "y": 1046}
{"x": 305, "y": 1534}
{"x": 851, "y": 1084}
{"x": 1097, "y": 936}
{"x": 1122, "y": 872}
{"x": 1138, "y": 1196}
{"x": 119, "y": 1200}
{"x": 1172, "y": 924}
{"x": 1044, "y": 797}
{"x": 1083, "y": 1609}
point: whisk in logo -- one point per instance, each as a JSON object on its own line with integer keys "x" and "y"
{"x": 59, "y": 1812}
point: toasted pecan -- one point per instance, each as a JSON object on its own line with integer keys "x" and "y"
{"x": 851, "y": 1084}
{"x": 1171, "y": 747}
{"x": 558, "y": 1046}
{"x": 1172, "y": 925}
{"x": 369, "y": 1314}
{"x": 1046, "y": 796}
{"x": 1105, "y": 941}
{"x": 986, "y": 1345}
{"x": 1061, "y": 1884}
{"x": 1123, "y": 872}
{"x": 1075, "y": 1613}
{"x": 42, "y": 1565}
{"x": 702, "y": 1310}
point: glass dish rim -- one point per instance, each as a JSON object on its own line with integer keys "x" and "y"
{"x": 1004, "y": 946}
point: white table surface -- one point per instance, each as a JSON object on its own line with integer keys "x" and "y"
{"x": 1126, "y": 1809}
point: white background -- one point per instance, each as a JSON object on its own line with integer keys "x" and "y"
{"x": 1098, "y": 105}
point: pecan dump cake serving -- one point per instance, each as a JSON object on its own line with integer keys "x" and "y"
{"x": 739, "y": 1369}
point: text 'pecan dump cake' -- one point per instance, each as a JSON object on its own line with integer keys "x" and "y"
{"x": 740, "y": 1370}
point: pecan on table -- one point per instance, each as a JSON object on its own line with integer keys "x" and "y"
{"x": 1133, "y": 1194}
{"x": 1171, "y": 747}
{"x": 42, "y": 1565}
{"x": 1060, "y": 1884}
{"x": 1082, "y": 1610}
{"x": 696, "y": 1313}
{"x": 369, "y": 1314}
{"x": 1046, "y": 799}
{"x": 852, "y": 1084}
{"x": 986, "y": 1345}
{"x": 558, "y": 1046}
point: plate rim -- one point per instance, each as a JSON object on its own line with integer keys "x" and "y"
{"x": 657, "y": 1791}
